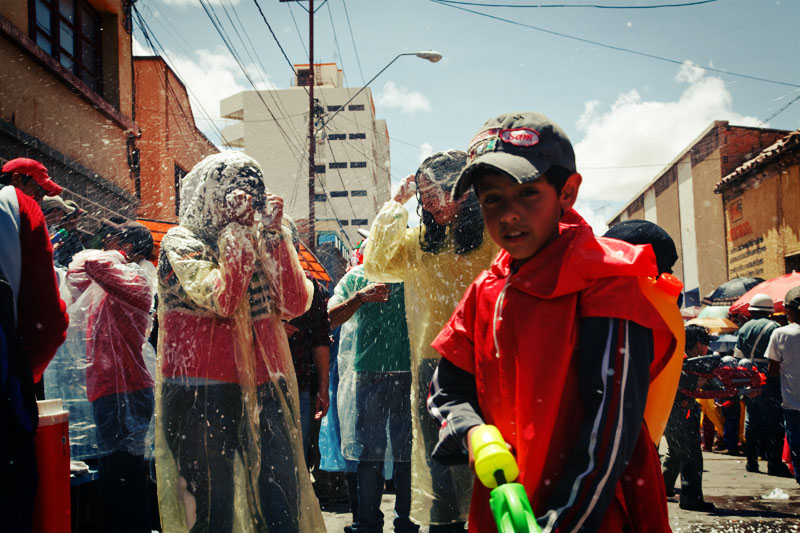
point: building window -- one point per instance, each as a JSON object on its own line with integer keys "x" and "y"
{"x": 356, "y": 107}
{"x": 69, "y": 30}
{"x": 358, "y": 193}
{"x": 332, "y": 108}
{"x": 360, "y": 222}
{"x": 358, "y": 164}
{"x": 344, "y": 222}
{"x": 336, "y": 136}
{"x": 179, "y": 174}
{"x": 320, "y": 198}
{"x": 358, "y": 135}
{"x": 338, "y": 194}
{"x": 337, "y": 165}
{"x": 319, "y": 169}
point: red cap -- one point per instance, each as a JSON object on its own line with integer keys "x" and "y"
{"x": 37, "y": 171}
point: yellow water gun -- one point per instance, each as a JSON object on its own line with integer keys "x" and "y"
{"x": 496, "y": 468}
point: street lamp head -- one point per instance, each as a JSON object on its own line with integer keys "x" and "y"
{"x": 431, "y": 55}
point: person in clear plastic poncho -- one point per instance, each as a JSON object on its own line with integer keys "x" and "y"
{"x": 436, "y": 261}
{"x": 228, "y": 446}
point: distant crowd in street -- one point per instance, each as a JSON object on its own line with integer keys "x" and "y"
{"x": 249, "y": 395}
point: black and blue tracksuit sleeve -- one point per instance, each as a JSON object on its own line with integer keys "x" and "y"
{"x": 614, "y": 367}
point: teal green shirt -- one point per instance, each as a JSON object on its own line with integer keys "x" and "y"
{"x": 377, "y": 333}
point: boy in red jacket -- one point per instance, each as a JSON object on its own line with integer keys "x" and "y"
{"x": 553, "y": 345}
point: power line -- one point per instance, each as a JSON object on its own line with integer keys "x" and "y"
{"x": 225, "y": 39}
{"x": 296, "y": 27}
{"x": 596, "y": 6}
{"x": 781, "y": 110}
{"x": 150, "y": 38}
{"x": 353, "y": 39}
{"x": 336, "y": 40}
{"x": 609, "y": 46}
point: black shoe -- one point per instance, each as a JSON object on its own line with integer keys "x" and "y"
{"x": 703, "y": 507}
{"x": 779, "y": 471}
{"x": 752, "y": 466}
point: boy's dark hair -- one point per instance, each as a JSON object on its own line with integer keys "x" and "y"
{"x": 5, "y": 178}
{"x": 695, "y": 334}
{"x": 138, "y": 235}
{"x": 555, "y": 176}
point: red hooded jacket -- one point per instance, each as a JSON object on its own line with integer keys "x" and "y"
{"x": 537, "y": 358}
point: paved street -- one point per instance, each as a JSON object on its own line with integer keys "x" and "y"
{"x": 746, "y": 502}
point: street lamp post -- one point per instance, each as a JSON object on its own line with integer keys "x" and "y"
{"x": 429, "y": 55}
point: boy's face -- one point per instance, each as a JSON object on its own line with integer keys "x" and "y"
{"x": 523, "y": 217}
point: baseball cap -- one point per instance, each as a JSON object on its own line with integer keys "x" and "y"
{"x": 37, "y": 171}
{"x": 523, "y": 145}
{"x": 792, "y": 299}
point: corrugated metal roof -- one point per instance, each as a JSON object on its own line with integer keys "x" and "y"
{"x": 770, "y": 153}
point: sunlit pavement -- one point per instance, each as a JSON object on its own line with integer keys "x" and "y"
{"x": 746, "y": 502}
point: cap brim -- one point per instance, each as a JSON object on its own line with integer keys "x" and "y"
{"x": 522, "y": 169}
{"x": 51, "y": 187}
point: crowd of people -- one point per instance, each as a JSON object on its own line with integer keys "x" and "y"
{"x": 211, "y": 373}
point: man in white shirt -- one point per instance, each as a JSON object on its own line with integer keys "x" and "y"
{"x": 783, "y": 352}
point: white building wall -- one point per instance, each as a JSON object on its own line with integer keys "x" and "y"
{"x": 650, "y": 213}
{"x": 352, "y": 195}
{"x": 691, "y": 279}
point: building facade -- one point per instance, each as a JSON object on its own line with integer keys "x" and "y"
{"x": 352, "y": 151}
{"x": 170, "y": 143}
{"x": 67, "y": 98}
{"x": 761, "y": 201}
{"x": 681, "y": 200}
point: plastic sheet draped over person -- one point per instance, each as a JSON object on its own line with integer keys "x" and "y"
{"x": 373, "y": 348}
{"x": 109, "y": 302}
{"x": 436, "y": 262}
{"x": 228, "y": 445}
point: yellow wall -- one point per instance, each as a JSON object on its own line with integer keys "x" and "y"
{"x": 763, "y": 222}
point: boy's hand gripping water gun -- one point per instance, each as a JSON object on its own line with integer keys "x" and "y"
{"x": 497, "y": 469}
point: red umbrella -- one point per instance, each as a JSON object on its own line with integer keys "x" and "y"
{"x": 775, "y": 288}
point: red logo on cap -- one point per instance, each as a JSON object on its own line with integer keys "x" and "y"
{"x": 520, "y": 136}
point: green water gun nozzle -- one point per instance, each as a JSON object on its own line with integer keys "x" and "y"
{"x": 497, "y": 469}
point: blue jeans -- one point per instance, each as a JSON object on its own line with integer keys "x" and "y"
{"x": 383, "y": 401}
{"x": 791, "y": 419}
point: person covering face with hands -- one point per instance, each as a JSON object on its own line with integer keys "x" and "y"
{"x": 226, "y": 390}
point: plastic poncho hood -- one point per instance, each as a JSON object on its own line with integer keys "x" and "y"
{"x": 205, "y": 189}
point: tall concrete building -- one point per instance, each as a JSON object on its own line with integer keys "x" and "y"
{"x": 681, "y": 200}
{"x": 352, "y": 151}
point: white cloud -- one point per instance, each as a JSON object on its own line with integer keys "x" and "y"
{"x": 425, "y": 151}
{"x": 400, "y": 97}
{"x": 595, "y": 217}
{"x": 627, "y": 145}
{"x": 210, "y": 76}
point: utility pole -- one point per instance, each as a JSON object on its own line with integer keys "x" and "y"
{"x": 312, "y": 138}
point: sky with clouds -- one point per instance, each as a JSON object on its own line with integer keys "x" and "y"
{"x": 631, "y": 87}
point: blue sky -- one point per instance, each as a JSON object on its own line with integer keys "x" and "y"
{"x": 627, "y": 115}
